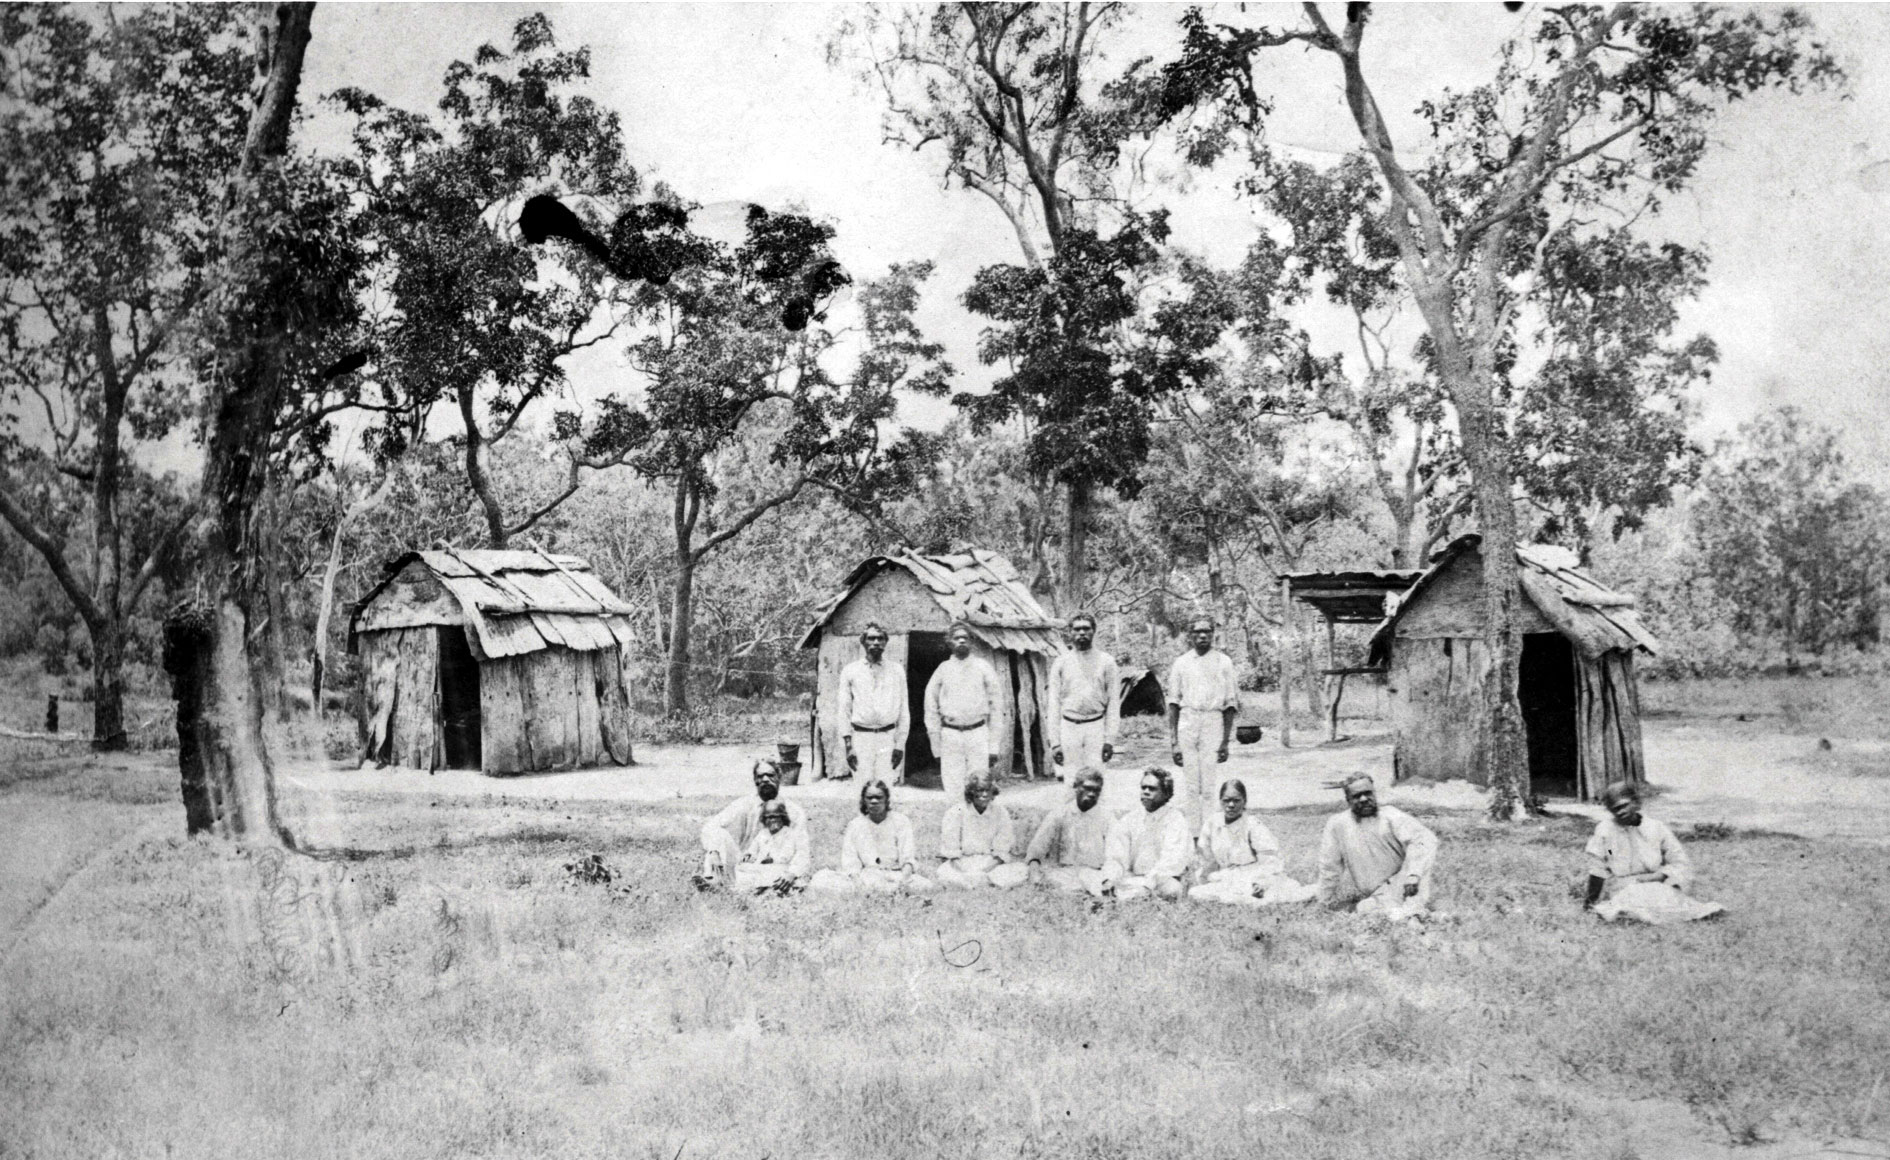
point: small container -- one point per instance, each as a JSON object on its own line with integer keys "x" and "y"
{"x": 790, "y": 772}
{"x": 790, "y": 750}
{"x": 1246, "y": 734}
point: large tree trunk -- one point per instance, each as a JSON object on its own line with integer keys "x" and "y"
{"x": 108, "y": 684}
{"x": 224, "y": 730}
{"x": 681, "y": 602}
{"x": 476, "y": 477}
{"x": 1076, "y": 550}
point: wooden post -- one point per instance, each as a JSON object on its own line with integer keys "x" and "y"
{"x": 1289, "y": 647}
{"x": 1335, "y": 687}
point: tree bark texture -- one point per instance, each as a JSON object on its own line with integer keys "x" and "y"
{"x": 1076, "y": 549}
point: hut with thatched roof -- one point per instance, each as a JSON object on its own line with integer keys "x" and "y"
{"x": 1580, "y": 705}
{"x": 502, "y": 661}
{"x": 916, "y": 599}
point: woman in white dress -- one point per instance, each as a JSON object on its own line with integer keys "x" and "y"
{"x": 1240, "y": 860}
{"x": 877, "y": 853}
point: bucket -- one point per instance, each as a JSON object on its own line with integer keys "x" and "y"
{"x": 1246, "y": 734}
{"x": 790, "y": 772}
{"x": 790, "y": 750}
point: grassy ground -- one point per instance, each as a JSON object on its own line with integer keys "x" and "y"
{"x": 449, "y": 991}
{"x": 1848, "y": 706}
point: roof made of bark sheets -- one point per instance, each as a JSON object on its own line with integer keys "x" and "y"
{"x": 517, "y": 602}
{"x": 978, "y": 587}
{"x": 1594, "y": 617}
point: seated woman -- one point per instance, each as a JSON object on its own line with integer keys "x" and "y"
{"x": 877, "y": 854}
{"x": 1148, "y": 850}
{"x": 1637, "y": 869}
{"x": 975, "y": 840}
{"x": 777, "y": 858}
{"x": 1240, "y": 861}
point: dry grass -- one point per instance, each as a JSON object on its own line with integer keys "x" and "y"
{"x": 1847, "y": 706}
{"x": 458, "y": 996}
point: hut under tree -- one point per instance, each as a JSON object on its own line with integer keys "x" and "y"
{"x": 916, "y": 599}
{"x": 501, "y": 661}
{"x": 1580, "y": 706}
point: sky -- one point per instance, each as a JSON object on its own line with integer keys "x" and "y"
{"x": 739, "y": 102}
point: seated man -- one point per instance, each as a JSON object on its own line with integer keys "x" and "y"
{"x": 1377, "y": 858}
{"x": 778, "y": 858}
{"x": 1068, "y": 848}
{"x": 1149, "y": 849}
{"x": 1241, "y": 862}
{"x": 728, "y": 833}
{"x": 1637, "y": 869}
{"x": 975, "y": 840}
{"x": 877, "y": 853}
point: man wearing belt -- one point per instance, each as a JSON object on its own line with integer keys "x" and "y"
{"x": 960, "y": 700}
{"x": 1084, "y": 708}
{"x": 1202, "y": 698}
{"x": 874, "y": 719}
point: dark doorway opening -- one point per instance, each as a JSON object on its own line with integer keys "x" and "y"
{"x": 1546, "y": 689}
{"x": 1026, "y": 743}
{"x": 459, "y": 700}
{"x": 925, "y": 652}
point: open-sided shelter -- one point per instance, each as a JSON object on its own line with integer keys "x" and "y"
{"x": 503, "y": 661}
{"x": 1579, "y": 701}
{"x": 916, "y": 599}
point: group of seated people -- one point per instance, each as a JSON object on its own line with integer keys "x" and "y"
{"x": 1373, "y": 859}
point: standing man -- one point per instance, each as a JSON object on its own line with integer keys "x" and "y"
{"x": 1375, "y": 860}
{"x": 874, "y": 719}
{"x": 960, "y": 700}
{"x": 1084, "y": 706}
{"x": 1202, "y": 699}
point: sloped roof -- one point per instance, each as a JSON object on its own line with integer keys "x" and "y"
{"x": 517, "y": 602}
{"x": 1350, "y": 597}
{"x": 1595, "y": 618}
{"x": 978, "y": 587}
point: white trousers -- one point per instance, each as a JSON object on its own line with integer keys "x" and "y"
{"x": 1077, "y": 879}
{"x": 975, "y": 870}
{"x": 962, "y": 755}
{"x": 871, "y": 880}
{"x": 1082, "y": 747}
{"x": 720, "y": 855}
{"x": 875, "y": 753}
{"x": 1389, "y": 900}
{"x": 1198, "y": 781}
{"x": 1235, "y": 884}
{"x": 1139, "y": 886}
{"x": 757, "y": 877}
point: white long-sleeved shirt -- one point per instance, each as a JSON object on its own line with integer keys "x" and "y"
{"x": 961, "y": 692}
{"x": 741, "y": 820}
{"x": 1070, "y": 836}
{"x": 1142, "y": 842}
{"x": 965, "y": 832}
{"x": 874, "y": 696}
{"x": 1084, "y": 685}
{"x": 1357, "y": 857}
{"x": 887, "y": 845}
{"x": 1244, "y": 842}
{"x": 1617, "y": 851}
{"x": 787, "y": 849}
{"x": 1203, "y": 682}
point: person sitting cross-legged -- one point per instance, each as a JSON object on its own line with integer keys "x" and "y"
{"x": 1149, "y": 849}
{"x": 975, "y": 840}
{"x": 778, "y": 857}
{"x": 726, "y": 835}
{"x": 1067, "y": 850}
{"x": 1375, "y": 860}
{"x": 877, "y": 853}
{"x": 1637, "y": 869}
{"x": 1241, "y": 861}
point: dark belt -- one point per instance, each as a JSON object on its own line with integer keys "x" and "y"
{"x": 1083, "y": 720}
{"x": 979, "y": 724}
{"x": 875, "y": 728}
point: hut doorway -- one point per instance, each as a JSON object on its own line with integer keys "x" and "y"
{"x": 459, "y": 701}
{"x": 1546, "y": 688}
{"x": 925, "y": 652}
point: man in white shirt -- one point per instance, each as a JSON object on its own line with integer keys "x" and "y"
{"x": 1069, "y": 848}
{"x": 1084, "y": 706}
{"x": 960, "y": 700}
{"x": 874, "y": 719}
{"x": 726, "y": 835}
{"x": 1376, "y": 860}
{"x": 1202, "y": 700}
{"x": 1149, "y": 849}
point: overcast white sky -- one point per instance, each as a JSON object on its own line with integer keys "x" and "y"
{"x": 738, "y": 102}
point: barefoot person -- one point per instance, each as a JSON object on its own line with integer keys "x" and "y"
{"x": 1202, "y": 700}
{"x": 960, "y": 700}
{"x": 1637, "y": 869}
{"x": 1084, "y": 707}
{"x": 874, "y": 719}
{"x": 1240, "y": 860}
{"x": 777, "y": 858}
{"x": 975, "y": 841}
{"x": 1149, "y": 849}
{"x": 726, "y": 835}
{"x": 1067, "y": 850}
{"x": 1375, "y": 859}
{"x": 877, "y": 853}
